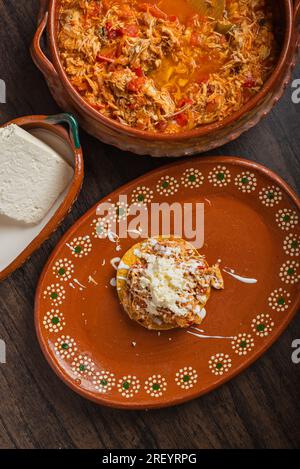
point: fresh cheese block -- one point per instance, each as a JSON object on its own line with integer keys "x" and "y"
{"x": 32, "y": 175}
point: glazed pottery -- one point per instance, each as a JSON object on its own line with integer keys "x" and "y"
{"x": 19, "y": 241}
{"x": 251, "y": 228}
{"x": 141, "y": 142}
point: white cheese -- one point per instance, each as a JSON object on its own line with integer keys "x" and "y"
{"x": 32, "y": 175}
{"x": 166, "y": 283}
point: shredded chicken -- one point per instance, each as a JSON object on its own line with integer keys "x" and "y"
{"x": 138, "y": 64}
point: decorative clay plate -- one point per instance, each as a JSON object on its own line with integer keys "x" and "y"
{"x": 251, "y": 227}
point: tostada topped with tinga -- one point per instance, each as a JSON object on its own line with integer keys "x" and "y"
{"x": 164, "y": 283}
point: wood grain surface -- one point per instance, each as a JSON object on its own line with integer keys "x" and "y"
{"x": 258, "y": 409}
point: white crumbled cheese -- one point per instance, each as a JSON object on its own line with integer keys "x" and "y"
{"x": 169, "y": 282}
{"x": 166, "y": 281}
{"x": 32, "y": 175}
{"x": 194, "y": 264}
{"x": 167, "y": 250}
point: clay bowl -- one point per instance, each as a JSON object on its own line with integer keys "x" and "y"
{"x": 18, "y": 241}
{"x": 140, "y": 142}
{"x": 251, "y": 226}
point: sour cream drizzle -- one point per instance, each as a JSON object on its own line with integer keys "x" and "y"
{"x": 115, "y": 262}
{"x": 113, "y": 282}
{"x": 239, "y": 278}
{"x": 118, "y": 264}
{"x": 204, "y": 336}
{"x": 78, "y": 283}
{"x": 114, "y": 238}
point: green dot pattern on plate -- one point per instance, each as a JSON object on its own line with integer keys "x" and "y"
{"x": 54, "y": 295}
{"x": 156, "y": 386}
{"x": 220, "y": 176}
{"x": 219, "y": 366}
{"x": 78, "y": 249}
{"x": 245, "y": 180}
{"x": 55, "y": 320}
{"x": 165, "y": 184}
{"x": 260, "y": 327}
{"x": 62, "y": 271}
{"x": 65, "y": 346}
{"x": 126, "y": 385}
{"x": 186, "y": 378}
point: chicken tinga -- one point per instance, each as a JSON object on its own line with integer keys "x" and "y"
{"x": 160, "y": 66}
{"x": 164, "y": 283}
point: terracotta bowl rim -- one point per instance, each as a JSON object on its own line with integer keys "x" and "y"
{"x": 91, "y": 396}
{"x": 146, "y": 135}
{"x": 35, "y": 121}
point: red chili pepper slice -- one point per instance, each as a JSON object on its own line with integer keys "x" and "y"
{"x": 182, "y": 119}
{"x": 184, "y": 101}
{"x": 139, "y": 72}
{"x": 135, "y": 84}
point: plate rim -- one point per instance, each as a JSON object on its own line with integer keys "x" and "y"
{"x": 127, "y": 405}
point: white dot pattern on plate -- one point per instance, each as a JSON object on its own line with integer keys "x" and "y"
{"x": 65, "y": 346}
{"x": 279, "y": 300}
{"x": 186, "y": 377}
{"x": 220, "y": 176}
{"x": 167, "y": 185}
{"x": 246, "y": 182}
{"x": 220, "y": 363}
{"x": 262, "y": 325}
{"x": 104, "y": 381}
{"x": 270, "y": 196}
{"x": 128, "y": 386}
{"x": 155, "y": 385}
{"x": 242, "y": 344}
{"x": 286, "y": 219}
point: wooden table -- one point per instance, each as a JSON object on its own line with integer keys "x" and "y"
{"x": 260, "y": 408}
